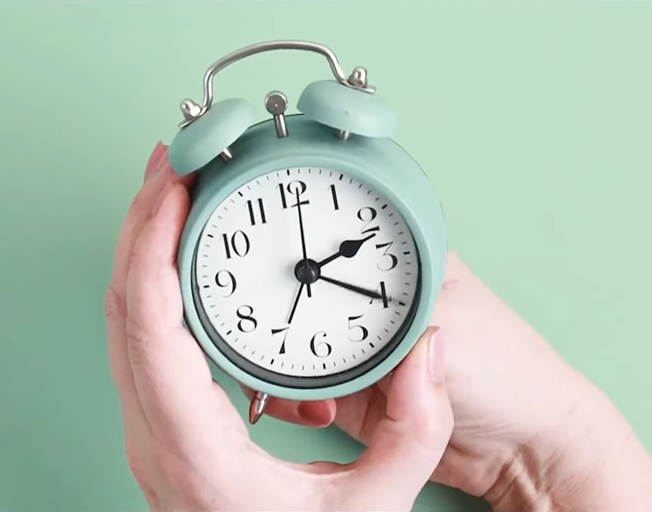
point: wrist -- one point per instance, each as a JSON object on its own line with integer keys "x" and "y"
{"x": 590, "y": 461}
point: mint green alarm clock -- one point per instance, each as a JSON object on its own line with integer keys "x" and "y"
{"x": 314, "y": 248}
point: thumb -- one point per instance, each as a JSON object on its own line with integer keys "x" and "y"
{"x": 410, "y": 440}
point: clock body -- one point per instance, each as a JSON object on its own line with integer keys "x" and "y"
{"x": 241, "y": 250}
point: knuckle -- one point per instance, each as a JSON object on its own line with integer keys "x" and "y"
{"x": 138, "y": 341}
{"x": 134, "y": 461}
{"x": 139, "y": 203}
{"x": 168, "y": 463}
{"x": 114, "y": 304}
{"x": 137, "y": 253}
{"x": 140, "y": 473}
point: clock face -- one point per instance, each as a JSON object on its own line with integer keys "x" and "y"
{"x": 306, "y": 277}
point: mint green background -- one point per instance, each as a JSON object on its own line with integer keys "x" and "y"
{"x": 534, "y": 120}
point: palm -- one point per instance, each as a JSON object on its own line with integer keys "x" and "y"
{"x": 186, "y": 444}
{"x": 495, "y": 364}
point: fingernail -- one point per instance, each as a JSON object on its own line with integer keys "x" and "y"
{"x": 436, "y": 356}
{"x": 315, "y": 413}
{"x": 156, "y": 150}
{"x": 162, "y": 160}
{"x": 153, "y": 161}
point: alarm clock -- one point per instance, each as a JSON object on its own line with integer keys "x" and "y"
{"x": 314, "y": 248}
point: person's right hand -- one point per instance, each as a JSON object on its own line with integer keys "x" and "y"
{"x": 530, "y": 432}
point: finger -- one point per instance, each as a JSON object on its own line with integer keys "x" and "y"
{"x": 120, "y": 368}
{"x": 139, "y": 212}
{"x": 410, "y": 441}
{"x": 115, "y": 303}
{"x": 320, "y": 413}
{"x": 160, "y": 177}
{"x": 154, "y": 160}
{"x": 385, "y": 383}
{"x": 172, "y": 378}
{"x": 358, "y": 414}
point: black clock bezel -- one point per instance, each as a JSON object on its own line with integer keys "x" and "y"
{"x": 304, "y": 382}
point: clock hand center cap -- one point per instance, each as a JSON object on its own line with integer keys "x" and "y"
{"x": 307, "y": 271}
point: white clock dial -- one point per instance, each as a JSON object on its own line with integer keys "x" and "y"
{"x": 306, "y": 322}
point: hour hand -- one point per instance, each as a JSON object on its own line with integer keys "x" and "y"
{"x": 348, "y": 249}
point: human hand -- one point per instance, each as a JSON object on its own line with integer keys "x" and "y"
{"x": 186, "y": 445}
{"x": 530, "y": 432}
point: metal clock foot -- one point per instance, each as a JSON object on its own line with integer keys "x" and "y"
{"x": 226, "y": 155}
{"x": 257, "y": 407}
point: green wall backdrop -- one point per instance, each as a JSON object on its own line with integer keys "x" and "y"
{"x": 534, "y": 119}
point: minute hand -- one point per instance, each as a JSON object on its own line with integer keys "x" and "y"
{"x": 303, "y": 239}
{"x": 356, "y": 289}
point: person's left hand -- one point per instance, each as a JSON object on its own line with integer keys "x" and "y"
{"x": 186, "y": 445}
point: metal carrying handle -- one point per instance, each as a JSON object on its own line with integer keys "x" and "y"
{"x": 357, "y": 80}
